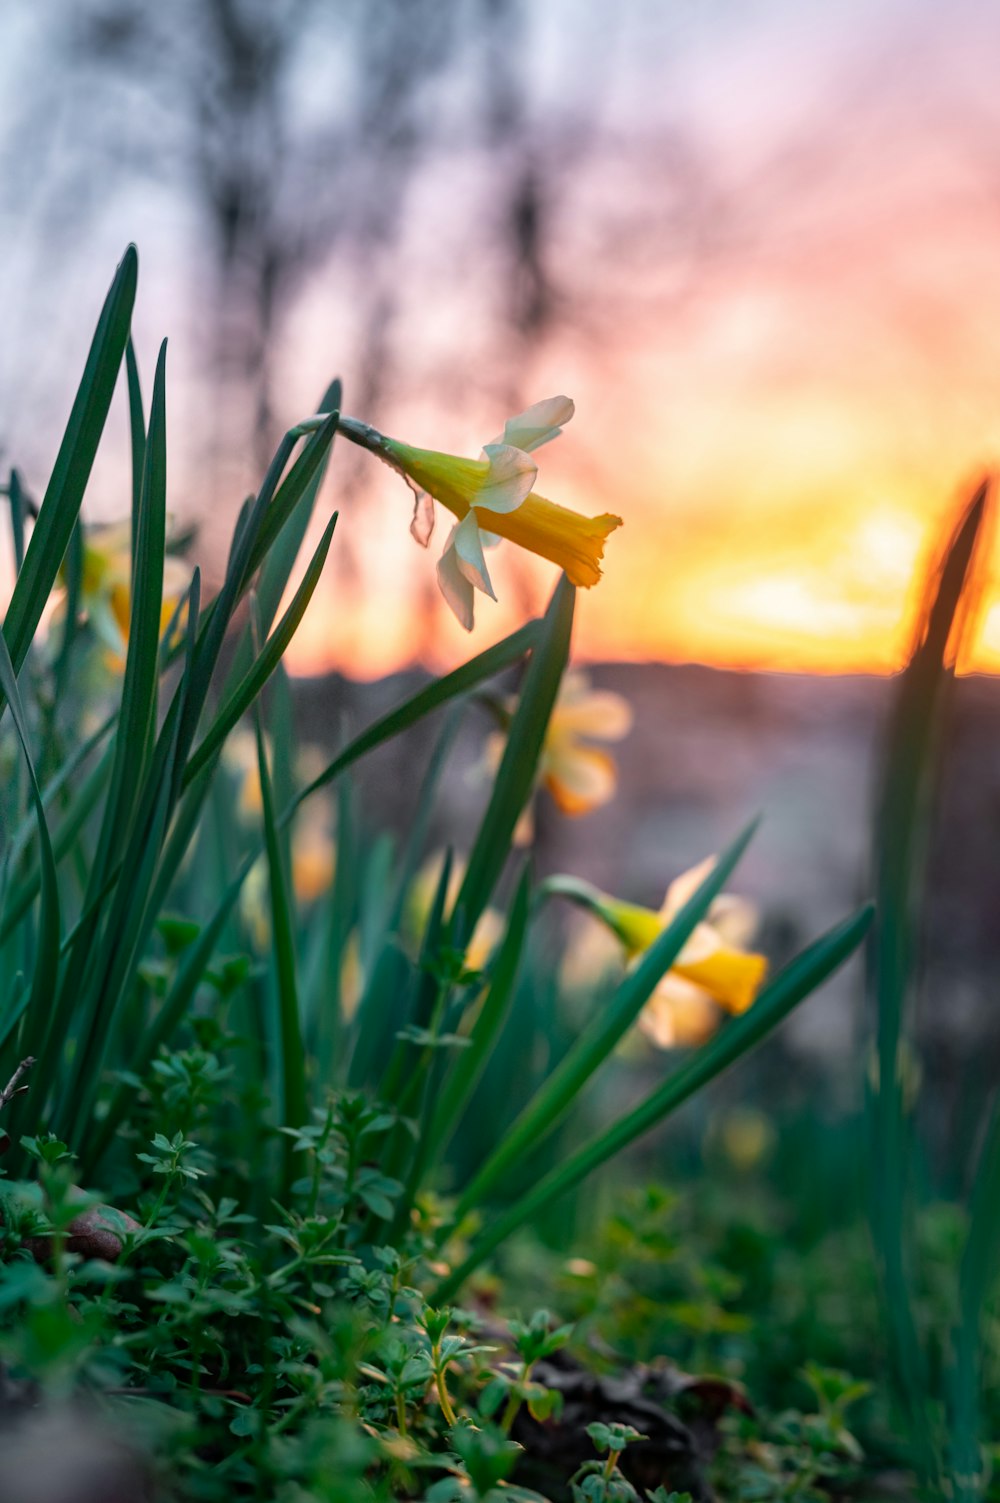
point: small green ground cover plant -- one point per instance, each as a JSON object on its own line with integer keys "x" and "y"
{"x": 234, "y": 1224}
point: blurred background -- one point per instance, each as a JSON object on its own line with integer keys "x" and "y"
{"x": 758, "y": 243}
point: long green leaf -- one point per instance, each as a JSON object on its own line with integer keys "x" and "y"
{"x": 517, "y": 772}
{"x": 902, "y": 832}
{"x": 247, "y": 690}
{"x": 597, "y": 1041}
{"x": 292, "y": 1067}
{"x": 43, "y": 984}
{"x": 807, "y": 972}
{"x": 440, "y": 692}
{"x": 176, "y": 1005}
{"x": 138, "y": 702}
{"x": 976, "y": 1282}
{"x": 471, "y": 1062}
{"x": 61, "y": 503}
{"x": 83, "y": 804}
{"x": 137, "y": 436}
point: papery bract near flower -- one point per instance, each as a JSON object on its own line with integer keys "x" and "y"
{"x": 492, "y": 499}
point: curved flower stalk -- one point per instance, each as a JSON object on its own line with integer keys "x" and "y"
{"x": 714, "y": 969}
{"x": 492, "y": 499}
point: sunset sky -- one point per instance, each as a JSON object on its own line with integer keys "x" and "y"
{"x": 784, "y": 393}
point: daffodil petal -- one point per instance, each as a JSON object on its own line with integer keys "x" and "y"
{"x": 490, "y": 539}
{"x": 734, "y": 919}
{"x": 508, "y": 479}
{"x": 598, "y": 713}
{"x": 538, "y": 424}
{"x": 466, "y": 542}
{"x": 579, "y": 778}
{"x": 679, "y": 1014}
{"x": 454, "y": 586}
{"x": 684, "y": 887}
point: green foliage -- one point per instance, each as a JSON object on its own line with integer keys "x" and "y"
{"x": 263, "y": 1085}
{"x": 940, "y": 1409}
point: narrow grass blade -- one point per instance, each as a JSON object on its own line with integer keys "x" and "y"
{"x": 73, "y": 571}
{"x": 428, "y": 991}
{"x": 247, "y": 690}
{"x": 902, "y": 831}
{"x": 292, "y": 1068}
{"x": 43, "y": 982}
{"x": 137, "y": 437}
{"x": 83, "y": 804}
{"x": 470, "y": 1063}
{"x": 325, "y": 1005}
{"x": 440, "y": 692}
{"x": 18, "y": 513}
{"x": 516, "y": 774}
{"x": 610, "y": 1024}
{"x": 976, "y": 1282}
{"x": 61, "y": 503}
{"x": 138, "y": 702}
{"x": 57, "y": 785}
{"x": 807, "y": 972}
{"x": 176, "y": 1005}
{"x": 107, "y": 970}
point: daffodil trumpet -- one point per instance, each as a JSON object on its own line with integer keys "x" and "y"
{"x": 714, "y": 966}
{"x": 492, "y": 498}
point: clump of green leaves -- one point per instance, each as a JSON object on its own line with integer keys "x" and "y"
{"x": 285, "y": 1306}
{"x": 795, "y": 1454}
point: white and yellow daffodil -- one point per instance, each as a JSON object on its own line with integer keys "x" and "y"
{"x": 106, "y": 587}
{"x": 713, "y": 970}
{"x": 492, "y": 499}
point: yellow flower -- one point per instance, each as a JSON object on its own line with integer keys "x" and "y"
{"x": 579, "y": 777}
{"x": 492, "y": 499}
{"x": 106, "y": 586}
{"x": 714, "y": 969}
{"x": 314, "y": 861}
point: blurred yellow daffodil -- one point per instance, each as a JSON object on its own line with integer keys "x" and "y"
{"x": 314, "y": 860}
{"x": 492, "y": 499}
{"x": 106, "y": 587}
{"x": 314, "y": 850}
{"x": 580, "y": 777}
{"x": 713, "y": 970}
